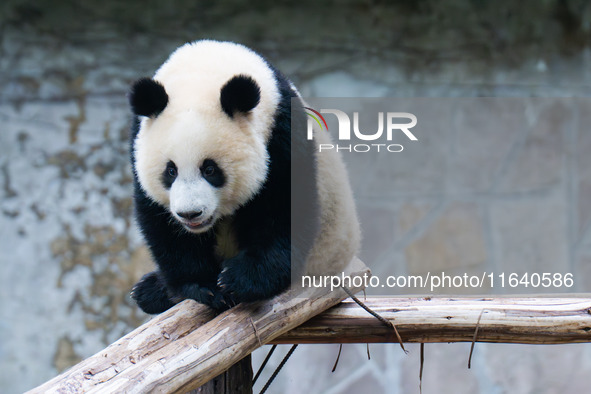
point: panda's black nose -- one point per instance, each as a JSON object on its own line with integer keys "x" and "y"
{"x": 190, "y": 215}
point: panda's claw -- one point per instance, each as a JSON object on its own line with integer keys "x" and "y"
{"x": 205, "y": 292}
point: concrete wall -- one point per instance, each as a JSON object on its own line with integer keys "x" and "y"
{"x": 69, "y": 249}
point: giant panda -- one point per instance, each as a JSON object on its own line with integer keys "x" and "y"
{"x": 211, "y": 152}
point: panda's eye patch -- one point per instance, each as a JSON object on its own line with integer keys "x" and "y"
{"x": 169, "y": 175}
{"x": 212, "y": 173}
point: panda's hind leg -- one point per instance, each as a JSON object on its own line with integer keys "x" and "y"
{"x": 151, "y": 295}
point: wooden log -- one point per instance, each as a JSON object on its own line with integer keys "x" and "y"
{"x": 189, "y": 357}
{"x": 502, "y": 320}
{"x": 177, "y": 352}
{"x": 129, "y": 351}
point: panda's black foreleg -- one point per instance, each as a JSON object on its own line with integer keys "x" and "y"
{"x": 257, "y": 273}
{"x": 151, "y": 295}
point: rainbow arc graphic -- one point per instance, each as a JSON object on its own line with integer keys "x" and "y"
{"x": 316, "y": 118}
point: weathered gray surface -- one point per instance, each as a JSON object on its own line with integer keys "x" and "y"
{"x": 69, "y": 250}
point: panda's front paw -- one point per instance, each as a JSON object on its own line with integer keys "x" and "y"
{"x": 150, "y": 294}
{"x": 233, "y": 285}
{"x": 245, "y": 281}
{"x": 256, "y": 274}
{"x": 216, "y": 299}
{"x": 207, "y": 295}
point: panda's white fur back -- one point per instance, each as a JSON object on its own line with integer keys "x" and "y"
{"x": 339, "y": 237}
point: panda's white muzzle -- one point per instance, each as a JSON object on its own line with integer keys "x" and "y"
{"x": 193, "y": 203}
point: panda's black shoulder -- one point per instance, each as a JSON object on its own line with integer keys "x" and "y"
{"x": 282, "y": 119}
{"x": 273, "y": 198}
{"x": 288, "y": 190}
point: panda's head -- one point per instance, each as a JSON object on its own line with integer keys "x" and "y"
{"x": 206, "y": 118}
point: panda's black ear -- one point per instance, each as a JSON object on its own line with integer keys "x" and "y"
{"x": 240, "y": 94}
{"x": 147, "y": 97}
